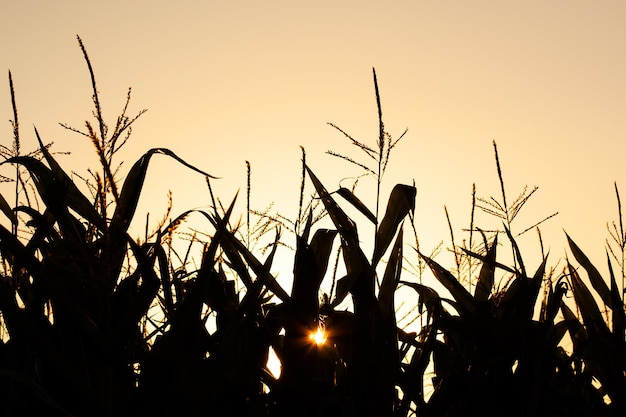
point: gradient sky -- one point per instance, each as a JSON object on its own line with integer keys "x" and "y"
{"x": 230, "y": 81}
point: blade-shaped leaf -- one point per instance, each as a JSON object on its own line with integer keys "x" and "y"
{"x": 595, "y": 278}
{"x": 358, "y": 204}
{"x": 342, "y": 222}
{"x": 465, "y": 301}
{"x": 401, "y": 203}
{"x": 518, "y": 254}
{"x": 617, "y": 313}
{"x": 322, "y": 245}
{"x": 6, "y": 209}
{"x": 391, "y": 278}
{"x": 487, "y": 272}
{"x": 131, "y": 190}
{"x": 589, "y": 309}
{"x": 57, "y": 190}
{"x": 359, "y": 270}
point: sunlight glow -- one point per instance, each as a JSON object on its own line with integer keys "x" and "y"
{"x": 319, "y": 337}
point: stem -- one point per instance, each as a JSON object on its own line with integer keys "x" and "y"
{"x": 248, "y": 189}
{"x": 506, "y": 208}
{"x": 471, "y": 234}
{"x": 622, "y": 237}
{"x": 381, "y": 145}
{"x": 16, "y": 150}
{"x": 302, "y": 183}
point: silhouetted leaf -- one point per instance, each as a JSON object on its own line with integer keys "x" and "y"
{"x": 464, "y": 299}
{"x": 358, "y": 204}
{"x": 360, "y": 274}
{"x": 342, "y": 222}
{"x": 57, "y": 190}
{"x": 518, "y": 254}
{"x": 400, "y": 204}
{"x": 594, "y": 275}
{"x": 617, "y": 314}
{"x": 487, "y": 272}
{"x": 391, "y": 278}
{"x": 6, "y": 209}
{"x": 133, "y": 185}
{"x": 322, "y": 245}
{"x": 589, "y": 310}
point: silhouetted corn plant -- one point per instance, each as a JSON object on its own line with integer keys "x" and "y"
{"x": 98, "y": 324}
{"x": 70, "y": 307}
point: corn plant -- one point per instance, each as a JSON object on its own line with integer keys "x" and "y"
{"x": 70, "y": 306}
{"x": 98, "y": 324}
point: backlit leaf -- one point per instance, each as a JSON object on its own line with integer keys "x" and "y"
{"x": 487, "y": 272}
{"x": 597, "y": 282}
{"x": 400, "y": 204}
{"x": 358, "y": 204}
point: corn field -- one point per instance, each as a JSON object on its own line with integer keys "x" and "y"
{"x": 96, "y": 323}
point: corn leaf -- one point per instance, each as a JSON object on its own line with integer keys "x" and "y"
{"x": 358, "y": 204}
{"x": 487, "y": 272}
{"x": 57, "y": 190}
{"x": 345, "y": 226}
{"x": 576, "y": 330}
{"x": 6, "y": 209}
{"x": 466, "y": 303}
{"x": 322, "y": 245}
{"x": 597, "y": 282}
{"x": 391, "y": 278}
{"x": 133, "y": 185}
{"x": 589, "y": 309}
{"x": 617, "y": 313}
{"x": 401, "y": 203}
{"x": 235, "y": 250}
{"x": 360, "y": 275}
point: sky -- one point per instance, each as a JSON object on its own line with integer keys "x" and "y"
{"x": 226, "y": 82}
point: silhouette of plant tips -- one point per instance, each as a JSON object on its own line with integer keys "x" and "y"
{"x": 96, "y": 323}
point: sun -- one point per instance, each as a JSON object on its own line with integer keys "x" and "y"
{"x": 319, "y": 336}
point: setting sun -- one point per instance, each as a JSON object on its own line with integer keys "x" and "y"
{"x": 319, "y": 337}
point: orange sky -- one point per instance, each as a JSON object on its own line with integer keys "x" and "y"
{"x": 229, "y": 81}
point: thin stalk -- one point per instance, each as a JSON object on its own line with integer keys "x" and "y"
{"x": 248, "y": 190}
{"x": 622, "y": 240}
{"x": 101, "y": 145}
{"x": 16, "y": 148}
{"x": 456, "y": 255}
{"x": 506, "y": 207}
{"x": 381, "y": 146}
{"x": 471, "y": 233}
{"x": 302, "y": 183}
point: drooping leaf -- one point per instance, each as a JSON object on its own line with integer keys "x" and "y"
{"x": 357, "y": 203}
{"x": 57, "y": 190}
{"x": 75, "y": 199}
{"x": 133, "y": 185}
{"x": 401, "y": 203}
